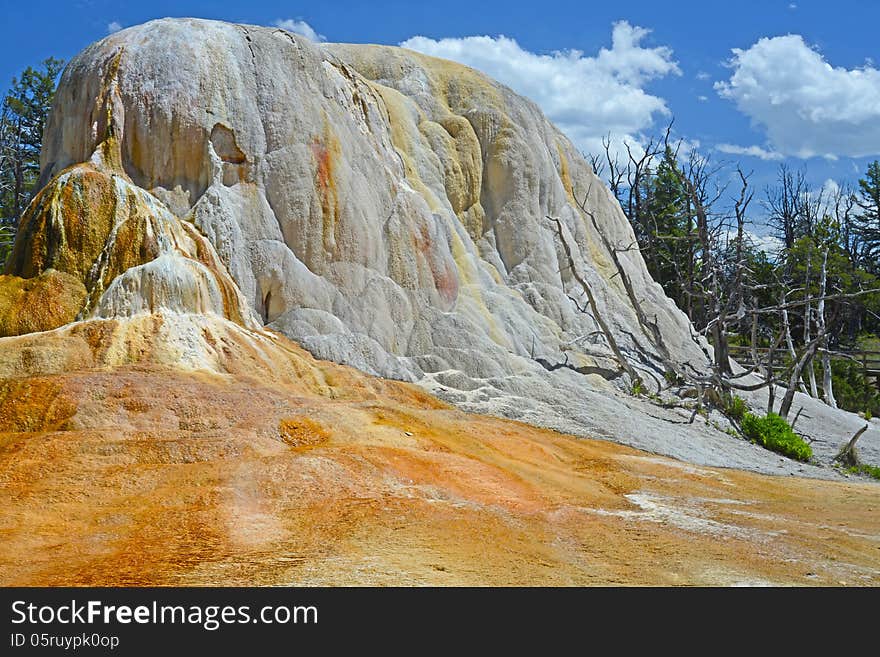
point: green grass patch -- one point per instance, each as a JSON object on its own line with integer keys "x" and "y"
{"x": 774, "y": 433}
{"x": 870, "y": 470}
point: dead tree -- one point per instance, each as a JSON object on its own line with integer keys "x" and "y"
{"x": 616, "y": 173}
{"x": 594, "y": 307}
{"x": 786, "y": 329}
{"x": 649, "y": 328}
{"x": 596, "y": 164}
{"x": 848, "y": 456}
{"x": 844, "y": 207}
{"x": 805, "y": 359}
{"x": 736, "y": 296}
{"x": 720, "y": 283}
{"x": 827, "y": 385}
{"x": 808, "y": 322}
{"x": 696, "y": 185}
{"x": 785, "y": 205}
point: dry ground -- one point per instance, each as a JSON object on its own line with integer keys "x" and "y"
{"x": 146, "y": 476}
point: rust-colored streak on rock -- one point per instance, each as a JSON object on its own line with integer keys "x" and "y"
{"x": 446, "y": 281}
{"x": 133, "y": 245}
{"x": 97, "y": 335}
{"x": 205, "y": 255}
{"x": 445, "y": 275}
{"x": 325, "y": 151}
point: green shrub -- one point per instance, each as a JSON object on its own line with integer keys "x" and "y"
{"x": 672, "y": 378}
{"x": 736, "y": 408}
{"x": 774, "y": 433}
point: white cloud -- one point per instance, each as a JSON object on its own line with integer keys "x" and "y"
{"x": 750, "y": 151}
{"x": 806, "y": 107}
{"x": 702, "y": 75}
{"x": 586, "y": 96}
{"x": 767, "y": 243}
{"x": 830, "y": 188}
{"x": 688, "y": 145}
{"x": 299, "y": 27}
{"x": 702, "y": 99}
{"x": 792, "y": 5}
{"x": 113, "y": 26}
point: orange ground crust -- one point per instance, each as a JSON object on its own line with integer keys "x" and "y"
{"x": 144, "y": 476}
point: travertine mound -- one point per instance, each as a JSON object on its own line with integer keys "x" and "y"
{"x": 122, "y": 248}
{"x": 384, "y": 208}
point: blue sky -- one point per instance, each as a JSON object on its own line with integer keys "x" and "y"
{"x": 803, "y": 88}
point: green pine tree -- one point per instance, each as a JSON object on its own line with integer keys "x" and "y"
{"x": 868, "y": 200}
{"x": 23, "y": 116}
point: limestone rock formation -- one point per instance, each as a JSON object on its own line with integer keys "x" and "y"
{"x": 384, "y": 209}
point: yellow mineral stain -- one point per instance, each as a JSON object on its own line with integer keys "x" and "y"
{"x": 470, "y": 286}
{"x": 565, "y": 175}
{"x": 399, "y": 118}
{"x": 42, "y": 303}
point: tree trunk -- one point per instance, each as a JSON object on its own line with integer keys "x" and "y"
{"x": 17, "y": 192}
{"x": 848, "y": 455}
{"x": 690, "y": 265}
{"x": 719, "y": 325}
{"x": 754, "y": 340}
{"x": 18, "y": 175}
{"x": 768, "y": 370}
{"x": 789, "y": 343}
{"x": 719, "y": 328}
{"x": 827, "y": 383}
{"x": 805, "y": 359}
{"x": 808, "y": 321}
